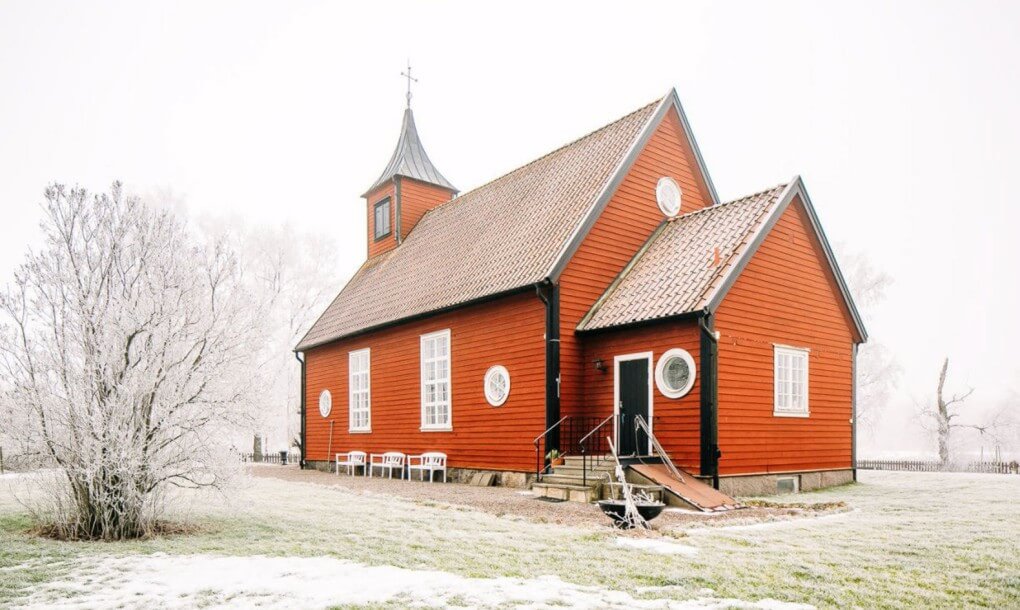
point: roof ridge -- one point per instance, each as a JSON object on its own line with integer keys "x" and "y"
{"x": 743, "y": 199}
{"x": 464, "y": 195}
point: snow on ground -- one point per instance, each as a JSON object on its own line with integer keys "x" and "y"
{"x": 657, "y": 545}
{"x": 906, "y": 539}
{"x": 186, "y": 581}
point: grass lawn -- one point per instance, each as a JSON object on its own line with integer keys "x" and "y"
{"x": 908, "y": 539}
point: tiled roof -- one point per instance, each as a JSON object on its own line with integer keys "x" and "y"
{"x": 501, "y": 236}
{"x": 677, "y": 271}
{"x": 409, "y": 159}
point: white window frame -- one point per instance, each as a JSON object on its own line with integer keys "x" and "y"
{"x": 448, "y": 425}
{"x": 367, "y": 391}
{"x": 498, "y": 369}
{"x": 616, "y": 394}
{"x": 660, "y": 372}
{"x": 800, "y": 410}
{"x": 388, "y": 202}
{"x": 325, "y": 403}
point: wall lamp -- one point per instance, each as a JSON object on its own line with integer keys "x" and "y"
{"x": 600, "y": 365}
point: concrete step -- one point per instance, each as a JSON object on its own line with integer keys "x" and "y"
{"x": 577, "y": 459}
{"x": 577, "y": 470}
{"x": 562, "y": 491}
{"x": 572, "y": 479}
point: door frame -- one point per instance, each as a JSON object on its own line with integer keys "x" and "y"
{"x": 616, "y": 394}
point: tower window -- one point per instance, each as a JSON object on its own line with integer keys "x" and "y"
{"x": 382, "y": 218}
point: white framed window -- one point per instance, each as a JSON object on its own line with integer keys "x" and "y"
{"x": 435, "y": 381}
{"x": 497, "y": 385}
{"x": 359, "y": 390}
{"x": 325, "y": 403}
{"x": 667, "y": 195}
{"x": 675, "y": 372}
{"x": 791, "y": 381}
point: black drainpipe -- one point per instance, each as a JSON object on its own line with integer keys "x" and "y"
{"x": 853, "y": 412}
{"x": 549, "y": 294}
{"x": 304, "y": 378}
{"x": 710, "y": 453}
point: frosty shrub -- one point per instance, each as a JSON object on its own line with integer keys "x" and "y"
{"x": 126, "y": 349}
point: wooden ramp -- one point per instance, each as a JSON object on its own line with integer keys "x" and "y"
{"x": 690, "y": 490}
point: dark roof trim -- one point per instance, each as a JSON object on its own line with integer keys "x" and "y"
{"x": 687, "y": 315}
{"x": 669, "y": 101}
{"x": 419, "y": 316}
{"x": 620, "y": 276}
{"x": 794, "y": 188}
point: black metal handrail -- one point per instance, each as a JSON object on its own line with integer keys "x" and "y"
{"x": 599, "y": 446}
{"x": 571, "y": 428}
{"x": 538, "y": 453}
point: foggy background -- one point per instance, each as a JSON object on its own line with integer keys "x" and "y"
{"x": 901, "y": 119}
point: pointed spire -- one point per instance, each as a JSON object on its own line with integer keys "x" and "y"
{"x": 410, "y": 160}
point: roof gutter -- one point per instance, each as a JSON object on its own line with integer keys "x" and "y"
{"x": 418, "y": 316}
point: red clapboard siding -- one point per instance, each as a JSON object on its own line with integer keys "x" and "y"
{"x": 785, "y": 295}
{"x": 624, "y": 226}
{"x": 676, "y": 422}
{"x": 416, "y": 198}
{"x": 509, "y": 331}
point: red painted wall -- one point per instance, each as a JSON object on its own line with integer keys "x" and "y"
{"x": 416, "y": 198}
{"x": 624, "y": 226}
{"x": 785, "y": 295}
{"x": 675, "y": 422}
{"x": 509, "y": 331}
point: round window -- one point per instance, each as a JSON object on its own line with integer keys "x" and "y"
{"x": 497, "y": 385}
{"x": 325, "y": 403}
{"x": 674, "y": 375}
{"x": 667, "y": 194}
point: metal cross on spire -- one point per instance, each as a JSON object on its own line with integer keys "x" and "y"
{"x": 409, "y": 78}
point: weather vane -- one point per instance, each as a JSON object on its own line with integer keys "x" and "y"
{"x": 409, "y": 78}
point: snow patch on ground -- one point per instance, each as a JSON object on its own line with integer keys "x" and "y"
{"x": 187, "y": 581}
{"x": 657, "y": 545}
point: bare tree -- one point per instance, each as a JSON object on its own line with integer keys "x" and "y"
{"x": 127, "y": 347}
{"x": 941, "y": 413}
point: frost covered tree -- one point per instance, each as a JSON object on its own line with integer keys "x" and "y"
{"x": 877, "y": 369}
{"x": 294, "y": 276}
{"x": 127, "y": 347}
{"x": 943, "y": 411}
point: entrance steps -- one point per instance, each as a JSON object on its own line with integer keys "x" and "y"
{"x": 570, "y": 481}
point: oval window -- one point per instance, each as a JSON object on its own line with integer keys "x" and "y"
{"x": 325, "y": 403}
{"x": 497, "y": 385}
{"x": 674, "y": 375}
{"x": 668, "y": 194}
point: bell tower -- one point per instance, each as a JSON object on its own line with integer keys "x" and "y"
{"x": 408, "y": 187}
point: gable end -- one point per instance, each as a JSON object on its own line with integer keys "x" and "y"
{"x": 796, "y": 189}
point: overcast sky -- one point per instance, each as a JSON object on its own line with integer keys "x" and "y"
{"x": 903, "y": 121}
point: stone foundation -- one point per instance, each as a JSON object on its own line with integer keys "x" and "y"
{"x": 766, "y": 484}
{"x": 521, "y": 480}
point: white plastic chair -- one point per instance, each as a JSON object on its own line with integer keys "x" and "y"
{"x": 430, "y": 462}
{"x": 352, "y": 460}
{"x": 388, "y": 461}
